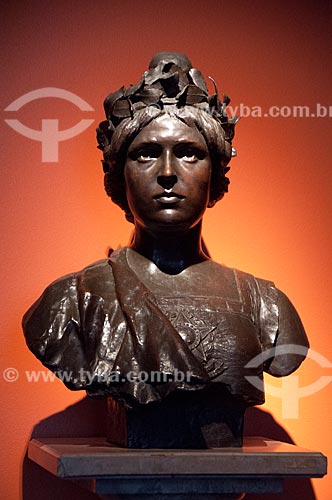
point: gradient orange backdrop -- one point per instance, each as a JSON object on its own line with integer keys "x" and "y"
{"x": 275, "y": 222}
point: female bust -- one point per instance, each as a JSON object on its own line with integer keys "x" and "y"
{"x": 160, "y": 327}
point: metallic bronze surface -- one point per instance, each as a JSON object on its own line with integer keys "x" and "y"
{"x": 159, "y": 318}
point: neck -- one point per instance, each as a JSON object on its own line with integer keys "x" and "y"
{"x": 171, "y": 253}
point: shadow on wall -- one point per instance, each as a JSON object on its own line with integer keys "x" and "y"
{"x": 87, "y": 418}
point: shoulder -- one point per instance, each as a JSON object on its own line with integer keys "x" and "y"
{"x": 67, "y": 289}
{"x": 281, "y": 331}
{"x": 90, "y": 273}
{"x": 291, "y": 343}
{"x": 261, "y": 289}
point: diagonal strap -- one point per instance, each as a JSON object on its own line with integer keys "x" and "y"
{"x": 151, "y": 343}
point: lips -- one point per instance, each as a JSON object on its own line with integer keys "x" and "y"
{"x": 168, "y": 197}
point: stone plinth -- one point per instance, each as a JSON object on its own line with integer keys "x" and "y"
{"x": 260, "y": 466}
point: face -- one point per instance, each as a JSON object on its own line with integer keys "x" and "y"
{"x": 167, "y": 174}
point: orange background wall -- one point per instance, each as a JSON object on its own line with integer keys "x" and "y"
{"x": 275, "y": 222}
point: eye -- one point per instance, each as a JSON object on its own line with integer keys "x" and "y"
{"x": 146, "y": 153}
{"x": 189, "y": 153}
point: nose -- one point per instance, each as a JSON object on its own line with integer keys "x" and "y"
{"x": 167, "y": 177}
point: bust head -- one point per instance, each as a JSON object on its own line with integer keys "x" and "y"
{"x": 170, "y": 87}
{"x": 168, "y": 176}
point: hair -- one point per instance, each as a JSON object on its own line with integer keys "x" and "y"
{"x": 116, "y": 146}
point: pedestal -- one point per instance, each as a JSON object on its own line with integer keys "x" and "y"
{"x": 260, "y": 466}
{"x": 184, "y": 420}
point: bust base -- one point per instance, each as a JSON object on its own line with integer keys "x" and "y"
{"x": 260, "y": 466}
{"x": 183, "y": 420}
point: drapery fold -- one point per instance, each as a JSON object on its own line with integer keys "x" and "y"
{"x": 151, "y": 344}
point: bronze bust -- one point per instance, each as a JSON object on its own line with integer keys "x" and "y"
{"x": 160, "y": 310}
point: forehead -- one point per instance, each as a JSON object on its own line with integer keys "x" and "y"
{"x": 168, "y": 130}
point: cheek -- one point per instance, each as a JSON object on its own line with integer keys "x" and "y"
{"x": 129, "y": 174}
{"x": 137, "y": 190}
{"x": 131, "y": 180}
{"x": 135, "y": 173}
{"x": 131, "y": 195}
{"x": 202, "y": 186}
{"x": 203, "y": 178}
